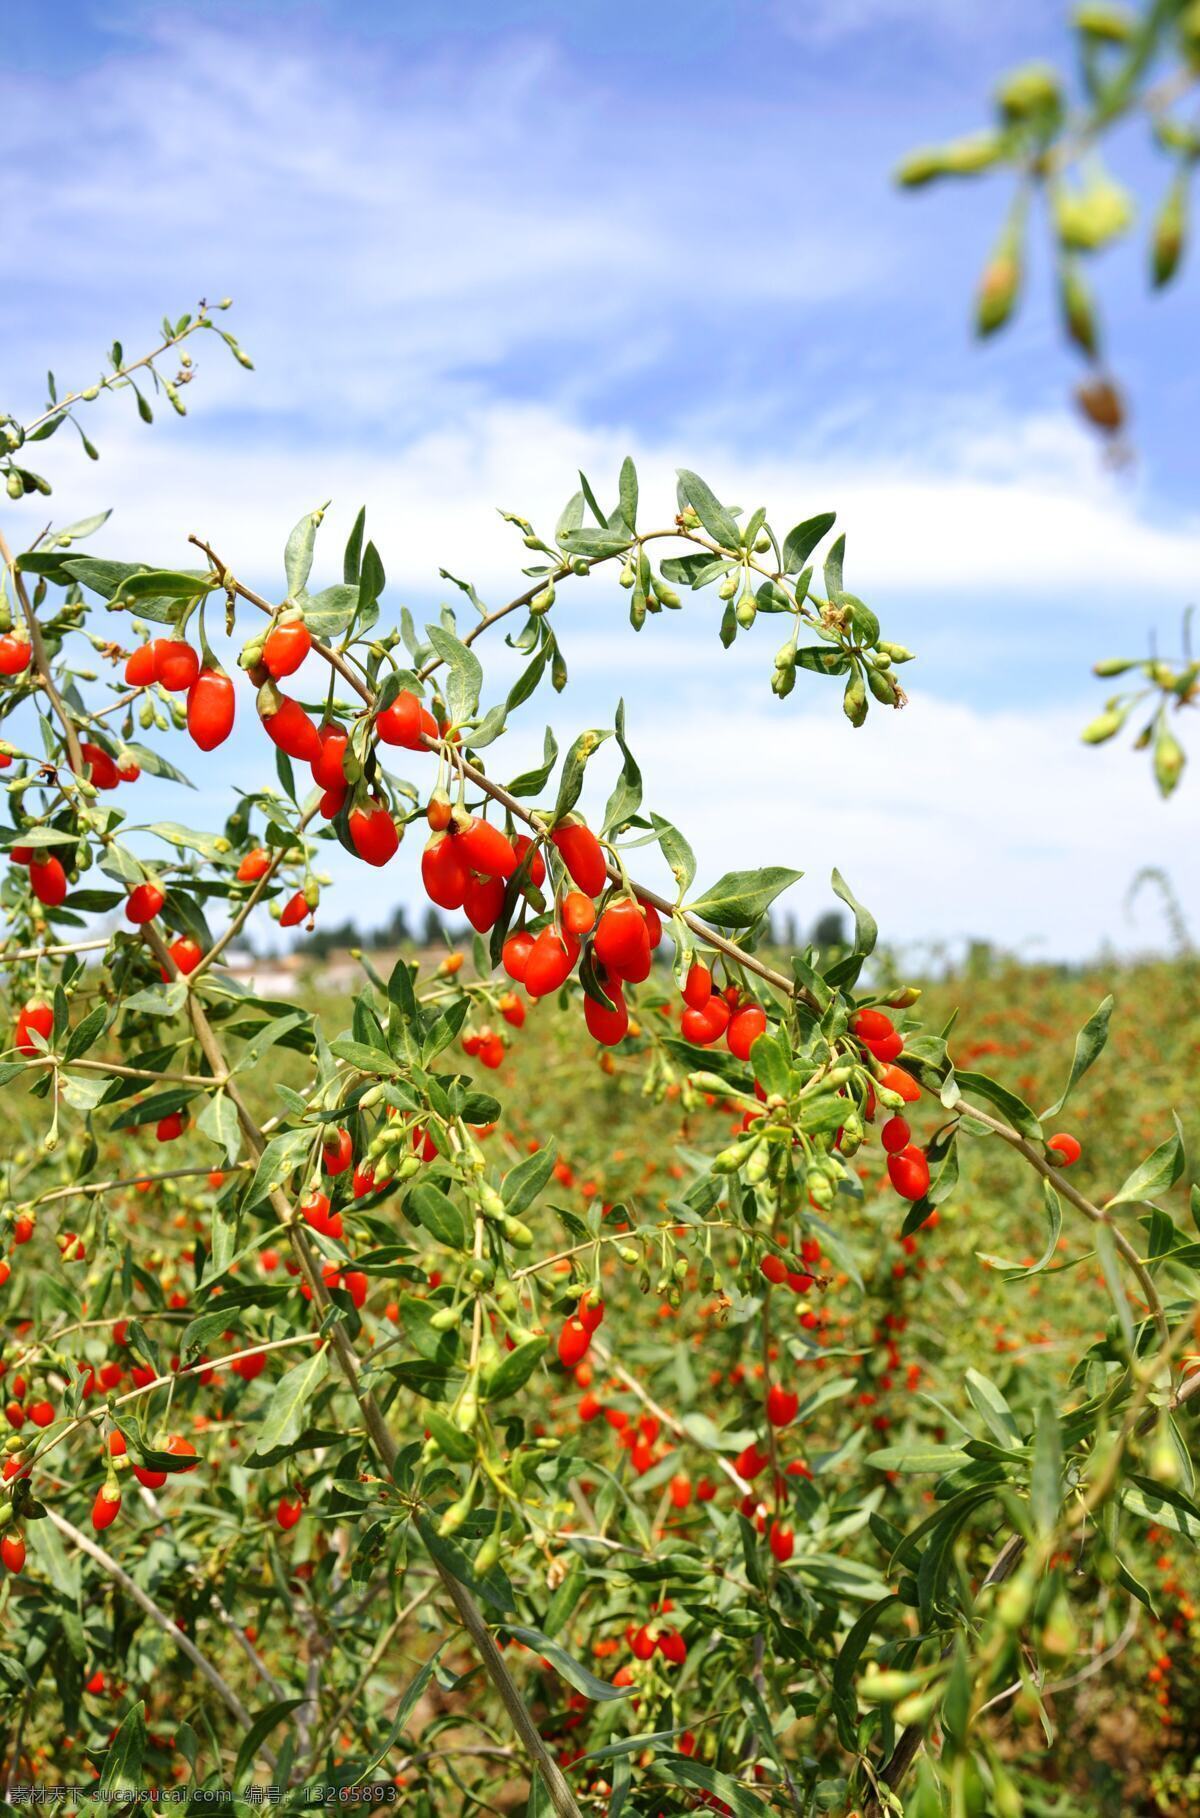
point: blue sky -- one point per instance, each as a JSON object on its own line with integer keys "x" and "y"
{"x": 470, "y": 253}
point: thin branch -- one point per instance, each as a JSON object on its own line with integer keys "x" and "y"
{"x": 41, "y": 661}
{"x": 173, "y": 1633}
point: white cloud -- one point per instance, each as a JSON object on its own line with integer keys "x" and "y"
{"x": 1026, "y": 515}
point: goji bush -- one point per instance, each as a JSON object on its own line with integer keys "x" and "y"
{"x": 344, "y": 1452}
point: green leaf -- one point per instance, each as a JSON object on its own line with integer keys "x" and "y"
{"x": 532, "y": 782}
{"x": 86, "y": 1033}
{"x": 833, "y": 567}
{"x": 1165, "y": 1507}
{"x": 598, "y": 545}
{"x": 166, "y": 584}
{"x": 713, "y": 515}
{"x": 352, "y": 559}
{"x": 366, "y": 1059}
{"x": 219, "y": 1122}
{"x": 627, "y": 489}
{"x": 598, "y": 1690}
{"x": 1045, "y": 1483}
{"x": 282, "y": 1154}
{"x": 1088, "y": 1045}
{"x": 799, "y": 543}
{"x": 571, "y": 783}
{"x": 434, "y": 1347}
{"x": 918, "y": 1458}
{"x": 464, "y": 672}
{"x": 1014, "y": 1109}
{"x": 155, "y": 764}
{"x": 257, "y": 1734}
{"x": 450, "y": 1439}
{"x": 298, "y": 555}
{"x": 123, "y": 1763}
{"x": 685, "y": 1770}
{"x": 626, "y": 797}
{"x": 408, "y": 1704}
{"x": 820, "y": 659}
{"x": 283, "y": 1421}
{"x": 738, "y": 899}
{"x": 676, "y": 851}
{"x": 1106, "y": 1251}
{"x": 866, "y": 929}
{"x": 1155, "y": 1175}
{"x": 210, "y": 846}
{"x": 439, "y": 1215}
{"x": 494, "y": 1589}
{"x": 522, "y": 1184}
{"x": 990, "y": 1404}
{"x": 329, "y": 613}
{"x": 1018, "y": 1271}
{"x": 515, "y": 1368}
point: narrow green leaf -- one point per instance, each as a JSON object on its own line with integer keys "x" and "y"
{"x": 283, "y": 1421}
{"x": 1088, "y": 1045}
{"x": 738, "y": 899}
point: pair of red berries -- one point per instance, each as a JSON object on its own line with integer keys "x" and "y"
{"x": 877, "y": 1033}
{"x": 576, "y": 1336}
{"x": 174, "y": 664}
{"x": 708, "y": 1015}
{"x": 777, "y": 1272}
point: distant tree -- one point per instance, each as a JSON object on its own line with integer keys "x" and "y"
{"x": 830, "y": 929}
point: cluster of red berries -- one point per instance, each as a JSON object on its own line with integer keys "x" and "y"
{"x": 176, "y": 666}
{"x": 709, "y": 1014}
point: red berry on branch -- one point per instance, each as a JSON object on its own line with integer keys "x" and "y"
{"x": 697, "y": 988}
{"x": 406, "y": 722}
{"x": 485, "y": 848}
{"x": 141, "y": 667}
{"x": 373, "y": 832}
{"x": 782, "y": 1542}
{"x": 909, "y": 1172}
{"x": 289, "y": 728}
{"x": 328, "y": 767}
{"x": 35, "y": 1018}
{"x": 744, "y": 1030}
{"x": 143, "y": 903}
{"x": 286, "y": 645}
{"x": 337, "y": 1152}
{"x": 583, "y": 856}
{"x": 256, "y": 864}
{"x": 49, "y": 881}
{"x": 106, "y": 1507}
{"x": 550, "y": 961}
{"x": 514, "y": 956}
{"x": 210, "y": 709}
{"x": 176, "y": 664}
{"x": 297, "y": 909}
{"x": 186, "y": 952}
{"x": 895, "y": 1135}
{"x": 781, "y": 1405}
